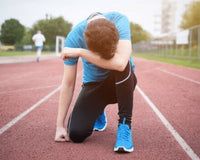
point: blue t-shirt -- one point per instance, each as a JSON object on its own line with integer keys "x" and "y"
{"x": 75, "y": 39}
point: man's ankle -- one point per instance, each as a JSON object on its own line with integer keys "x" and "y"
{"x": 124, "y": 120}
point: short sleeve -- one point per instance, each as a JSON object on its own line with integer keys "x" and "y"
{"x": 123, "y": 26}
{"x": 70, "y": 42}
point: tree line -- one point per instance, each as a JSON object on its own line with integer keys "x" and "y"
{"x": 14, "y": 33}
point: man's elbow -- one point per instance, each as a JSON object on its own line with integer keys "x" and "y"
{"x": 121, "y": 67}
{"x": 123, "y": 61}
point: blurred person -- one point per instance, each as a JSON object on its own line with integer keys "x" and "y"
{"x": 38, "y": 39}
{"x": 103, "y": 43}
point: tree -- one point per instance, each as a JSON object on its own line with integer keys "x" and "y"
{"x": 191, "y": 17}
{"x": 27, "y": 39}
{"x": 138, "y": 33}
{"x": 51, "y": 28}
{"x": 12, "y": 32}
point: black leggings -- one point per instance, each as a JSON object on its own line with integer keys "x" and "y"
{"x": 118, "y": 88}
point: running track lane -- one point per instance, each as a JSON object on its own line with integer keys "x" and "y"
{"x": 33, "y": 137}
{"x": 24, "y": 84}
{"x": 176, "y": 91}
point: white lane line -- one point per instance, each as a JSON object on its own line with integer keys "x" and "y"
{"x": 27, "y": 89}
{"x": 23, "y": 114}
{"x": 170, "y": 128}
{"x": 179, "y": 76}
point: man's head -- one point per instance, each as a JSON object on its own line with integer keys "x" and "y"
{"x": 102, "y": 37}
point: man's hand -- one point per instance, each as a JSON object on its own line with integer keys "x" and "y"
{"x": 61, "y": 135}
{"x": 70, "y": 53}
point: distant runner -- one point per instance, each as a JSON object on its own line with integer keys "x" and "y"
{"x": 38, "y": 39}
{"x": 103, "y": 43}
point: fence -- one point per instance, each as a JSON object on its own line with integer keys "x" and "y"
{"x": 185, "y": 44}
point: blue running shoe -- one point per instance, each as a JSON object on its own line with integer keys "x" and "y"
{"x": 100, "y": 123}
{"x": 124, "y": 141}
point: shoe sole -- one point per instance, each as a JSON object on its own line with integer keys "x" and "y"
{"x": 100, "y": 130}
{"x": 123, "y": 150}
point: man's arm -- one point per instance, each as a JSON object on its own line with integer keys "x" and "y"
{"x": 44, "y": 39}
{"x": 66, "y": 94}
{"x": 117, "y": 62}
{"x": 33, "y": 38}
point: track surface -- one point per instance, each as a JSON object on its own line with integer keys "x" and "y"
{"x": 174, "y": 90}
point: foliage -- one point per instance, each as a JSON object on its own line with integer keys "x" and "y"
{"x": 191, "y": 17}
{"x": 27, "y": 39}
{"x": 12, "y": 32}
{"x": 138, "y": 33}
{"x": 51, "y": 28}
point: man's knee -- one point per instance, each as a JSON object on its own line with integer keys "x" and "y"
{"x": 78, "y": 136}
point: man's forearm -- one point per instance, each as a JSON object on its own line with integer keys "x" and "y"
{"x": 115, "y": 63}
{"x": 66, "y": 95}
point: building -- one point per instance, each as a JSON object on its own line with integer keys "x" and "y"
{"x": 168, "y": 16}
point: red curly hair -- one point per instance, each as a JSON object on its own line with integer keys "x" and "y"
{"x": 102, "y": 37}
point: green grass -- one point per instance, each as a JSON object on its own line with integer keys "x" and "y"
{"x": 193, "y": 63}
{"x": 19, "y": 53}
{"x": 180, "y": 52}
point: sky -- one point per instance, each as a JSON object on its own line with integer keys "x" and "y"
{"x": 142, "y": 12}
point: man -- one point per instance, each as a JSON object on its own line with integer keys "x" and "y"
{"x": 38, "y": 39}
{"x": 103, "y": 43}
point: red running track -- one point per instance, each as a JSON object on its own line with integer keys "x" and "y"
{"x": 174, "y": 90}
